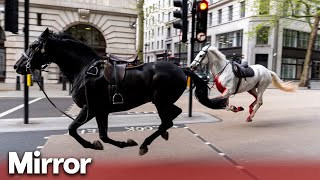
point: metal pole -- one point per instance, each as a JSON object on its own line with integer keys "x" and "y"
{"x": 26, "y": 44}
{"x": 193, "y": 12}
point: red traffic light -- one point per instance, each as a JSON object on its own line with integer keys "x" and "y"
{"x": 203, "y": 5}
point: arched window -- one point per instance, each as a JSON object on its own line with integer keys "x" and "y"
{"x": 90, "y": 36}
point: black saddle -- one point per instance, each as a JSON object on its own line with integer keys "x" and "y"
{"x": 242, "y": 70}
{"x": 114, "y": 69}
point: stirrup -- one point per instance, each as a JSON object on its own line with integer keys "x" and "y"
{"x": 118, "y": 97}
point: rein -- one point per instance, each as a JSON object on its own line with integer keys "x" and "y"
{"x": 221, "y": 71}
{"x": 41, "y": 88}
{"x": 28, "y": 67}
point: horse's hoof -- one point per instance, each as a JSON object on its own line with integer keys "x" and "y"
{"x": 97, "y": 145}
{"x": 143, "y": 151}
{"x": 165, "y": 136}
{"x": 249, "y": 119}
{"x": 131, "y": 142}
{"x": 240, "y": 108}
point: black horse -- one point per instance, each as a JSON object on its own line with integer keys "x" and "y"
{"x": 161, "y": 83}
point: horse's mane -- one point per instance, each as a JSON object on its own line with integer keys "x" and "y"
{"x": 77, "y": 44}
{"x": 217, "y": 52}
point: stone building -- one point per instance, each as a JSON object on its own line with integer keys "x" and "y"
{"x": 230, "y": 27}
{"x": 105, "y": 25}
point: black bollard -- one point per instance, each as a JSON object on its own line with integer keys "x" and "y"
{"x": 18, "y": 85}
{"x": 70, "y": 88}
{"x": 64, "y": 83}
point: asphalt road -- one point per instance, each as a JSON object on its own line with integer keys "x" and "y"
{"x": 28, "y": 141}
{"x": 40, "y": 108}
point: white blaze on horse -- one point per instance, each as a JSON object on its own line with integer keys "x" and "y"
{"x": 231, "y": 78}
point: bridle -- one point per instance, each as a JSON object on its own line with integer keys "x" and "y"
{"x": 42, "y": 42}
{"x": 198, "y": 61}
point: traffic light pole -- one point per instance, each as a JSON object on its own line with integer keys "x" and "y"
{"x": 192, "y": 40}
{"x": 26, "y": 44}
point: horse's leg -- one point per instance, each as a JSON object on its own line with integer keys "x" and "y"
{"x": 259, "y": 102}
{"x": 226, "y": 94}
{"x": 102, "y": 121}
{"x": 167, "y": 114}
{"x": 81, "y": 119}
{"x": 254, "y": 93}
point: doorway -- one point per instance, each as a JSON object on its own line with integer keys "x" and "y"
{"x": 262, "y": 59}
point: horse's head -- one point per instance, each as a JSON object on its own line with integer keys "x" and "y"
{"x": 34, "y": 57}
{"x": 201, "y": 59}
{"x": 208, "y": 55}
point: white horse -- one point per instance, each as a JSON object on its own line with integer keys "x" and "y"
{"x": 228, "y": 84}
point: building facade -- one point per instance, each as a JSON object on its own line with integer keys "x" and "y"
{"x": 105, "y": 25}
{"x": 231, "y": 23}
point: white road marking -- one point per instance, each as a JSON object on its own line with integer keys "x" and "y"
{"x": 46, "y": 138}
{"x": 18, "y": 107}
{"x": 39, "y": 147}
{"x": 222, "y": 154}
{"x": 207, "y": 143}
{"x": 240, "y": 167}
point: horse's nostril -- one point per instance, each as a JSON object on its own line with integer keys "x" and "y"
{"x": 15, "y": 67}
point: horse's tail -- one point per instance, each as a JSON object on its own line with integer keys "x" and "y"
{"x": 201, "y": 92}
{"x": 284, "y": 86}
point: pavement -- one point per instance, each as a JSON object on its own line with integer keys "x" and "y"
{"x": 284, "y": 132}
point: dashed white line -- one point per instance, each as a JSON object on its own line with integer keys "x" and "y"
{"x": 18, "y": 107}
{"x": 226, "y": 157}
{"x": 46, "y": 138}
{"x": 39, "y": 147}
{"x": 240, "y": 167}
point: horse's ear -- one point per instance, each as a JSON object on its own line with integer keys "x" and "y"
{"x": 45, "y": 34}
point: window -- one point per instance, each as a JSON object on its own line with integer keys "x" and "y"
{"x": 39, "y": 19}
{"x": 169, "y": 16}
{"x": 161, "y": 44}
{"x": 158, "y": 31}
{"x": 242, "y": 9}
{"x": 231, "y": 39}
{"x": 210, "y": 19}
{"x": 219, "y": 16}
{"x": 263, "y": 35}
{"x": 169, "y": 32}
{"x": 291, "y": 68}
{"x": 264, "y": 7}
{"x": 158, "y": 45}
{"x": 315, "y": 73}
{"x": 169, "y": 47}
{"x": 230, "y": 13}
{"x": 298, "y": 39}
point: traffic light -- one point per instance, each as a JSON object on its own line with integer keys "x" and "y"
{"x": 202, "y": 16}
{"x": 182, "y": 14}
{"x": 11, "y": 16}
